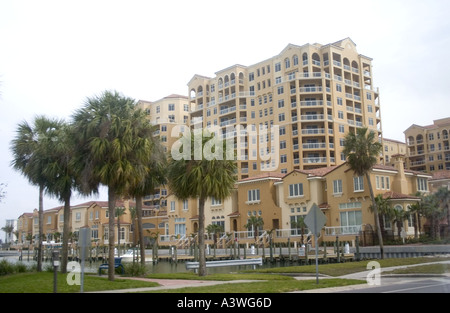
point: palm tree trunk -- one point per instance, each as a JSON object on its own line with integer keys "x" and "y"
{"x": 140, "y": 230}
{"x": 375, "y": 211}
{"x": 201, "y": 237}
{"x": 111, "y": 235}
{"x": 66, "y": 231}
{"x": 41, "y": 228}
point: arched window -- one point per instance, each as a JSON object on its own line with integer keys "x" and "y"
{"x": 305, "y": 58}
{"x": 316, "y": 59}
{"x": 295, "y": 60}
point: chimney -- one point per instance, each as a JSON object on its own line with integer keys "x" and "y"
{"x": 400, "y": 184}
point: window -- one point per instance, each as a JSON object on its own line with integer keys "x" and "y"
{"x": 280, "y": 90}
{"x": 78, "y": 216}
{"x": 349, "y": 220}
{"x": 296, "y": 190}
{"x": 358, "y": 184}
{"x": 216, "y": 201}
{"x": 281, "y": 117}
{"x": 287, "y": 63}
{"x": 253, "y": 195}
{"x": 422, "y": 184}
{"x": 185, "y": 205}
{"x": 283, "y": 158}
{"x": 277, "y": 67}
{"x": 171, "y": 107}
{"x": 337, "y": 186}
{"x": 172, "y": 206}
{"x": 186, "y": 107}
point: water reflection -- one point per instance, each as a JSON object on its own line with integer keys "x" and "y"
{"x": 160, "y": 267}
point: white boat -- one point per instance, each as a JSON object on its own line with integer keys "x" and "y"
{"x": 127, "y": 257}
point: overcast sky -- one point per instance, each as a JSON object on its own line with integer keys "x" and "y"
{"x": 54, "y": 54}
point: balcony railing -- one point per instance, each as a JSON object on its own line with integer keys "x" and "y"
{"x": 342, "y": 230}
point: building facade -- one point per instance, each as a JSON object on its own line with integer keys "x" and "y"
{"x": 429, "y": 146}
{"x": 307, "y": 97}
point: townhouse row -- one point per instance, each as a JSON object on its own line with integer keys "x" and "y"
{"x": 280, "y": 200}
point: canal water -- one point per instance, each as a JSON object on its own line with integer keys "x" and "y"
{"x": 160, "y": 267}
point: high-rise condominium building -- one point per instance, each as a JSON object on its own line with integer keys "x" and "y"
{"x": 429, "y": 146}
{"x": 306, "y": 97}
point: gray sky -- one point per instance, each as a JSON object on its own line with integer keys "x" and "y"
{"x": 54, "y": 54}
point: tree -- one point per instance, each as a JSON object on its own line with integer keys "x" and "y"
{"x": 362, "y": 150}
{"x": 434, "y": 213}
{"x": 119, "y": 212}
{"x": 62, "y": 178}
{"x": 215, "y": 230}
{"x": 110, "y": 151}
{"x": 31, "y": 158}
{"x": 156, "y": 176}
{"x": 443, "y": 197}
{"x": 398, "y": 216}
{"x": 8, "y": 229}
{"x": 211, "y": 175}
{"x": 384, "y": 210}
{"x": 254, "y": 222}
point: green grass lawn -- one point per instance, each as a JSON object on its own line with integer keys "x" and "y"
{"x": 272, "y": 286}
{"x": 42, "y": 282}
{"x": 339, "y": 269}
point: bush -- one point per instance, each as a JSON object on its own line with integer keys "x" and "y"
{"x": 7, "y": 268}
{"x": 135, "y": 269}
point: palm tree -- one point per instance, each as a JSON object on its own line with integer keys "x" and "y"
{"x": 111, "y": 152}
{"x": 119, "y": 212}
{"x": 8, "y": 229}
{"x": 156, "y": 176}
{"x": 194, "y": 177}
{"x": 215, "y": 230}
{"x": 384, "y": 210}
{"x": 362, "y": 151}
{"x": 443, "y": 196}
{"x": 31, "y": 158}
{"x": 434, "y": 213}
{"x": 62, "y": 178}
{"x": 398, "y": 216}
{"x": 254, "y": 222}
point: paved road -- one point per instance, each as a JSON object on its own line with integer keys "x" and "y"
{"x": 411, "y": 285}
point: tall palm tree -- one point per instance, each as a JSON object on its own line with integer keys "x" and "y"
{"x": 156, "y": 176}
{"x": 62, "y": 178}
{"x": 195, "y": 177}
{"x": 111, "y": 152}
{"x": 31, "y": 158}
{"x": 362, "y": 150}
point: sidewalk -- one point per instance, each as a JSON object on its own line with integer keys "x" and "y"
{"x": 173, "y": 284}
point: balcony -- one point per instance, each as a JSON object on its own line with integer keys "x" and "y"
{"x": 342, "y": 230}
{"x": 320, "y": 145}
{"x": 316, "y": 160}
{"x": 313, "y": 131}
